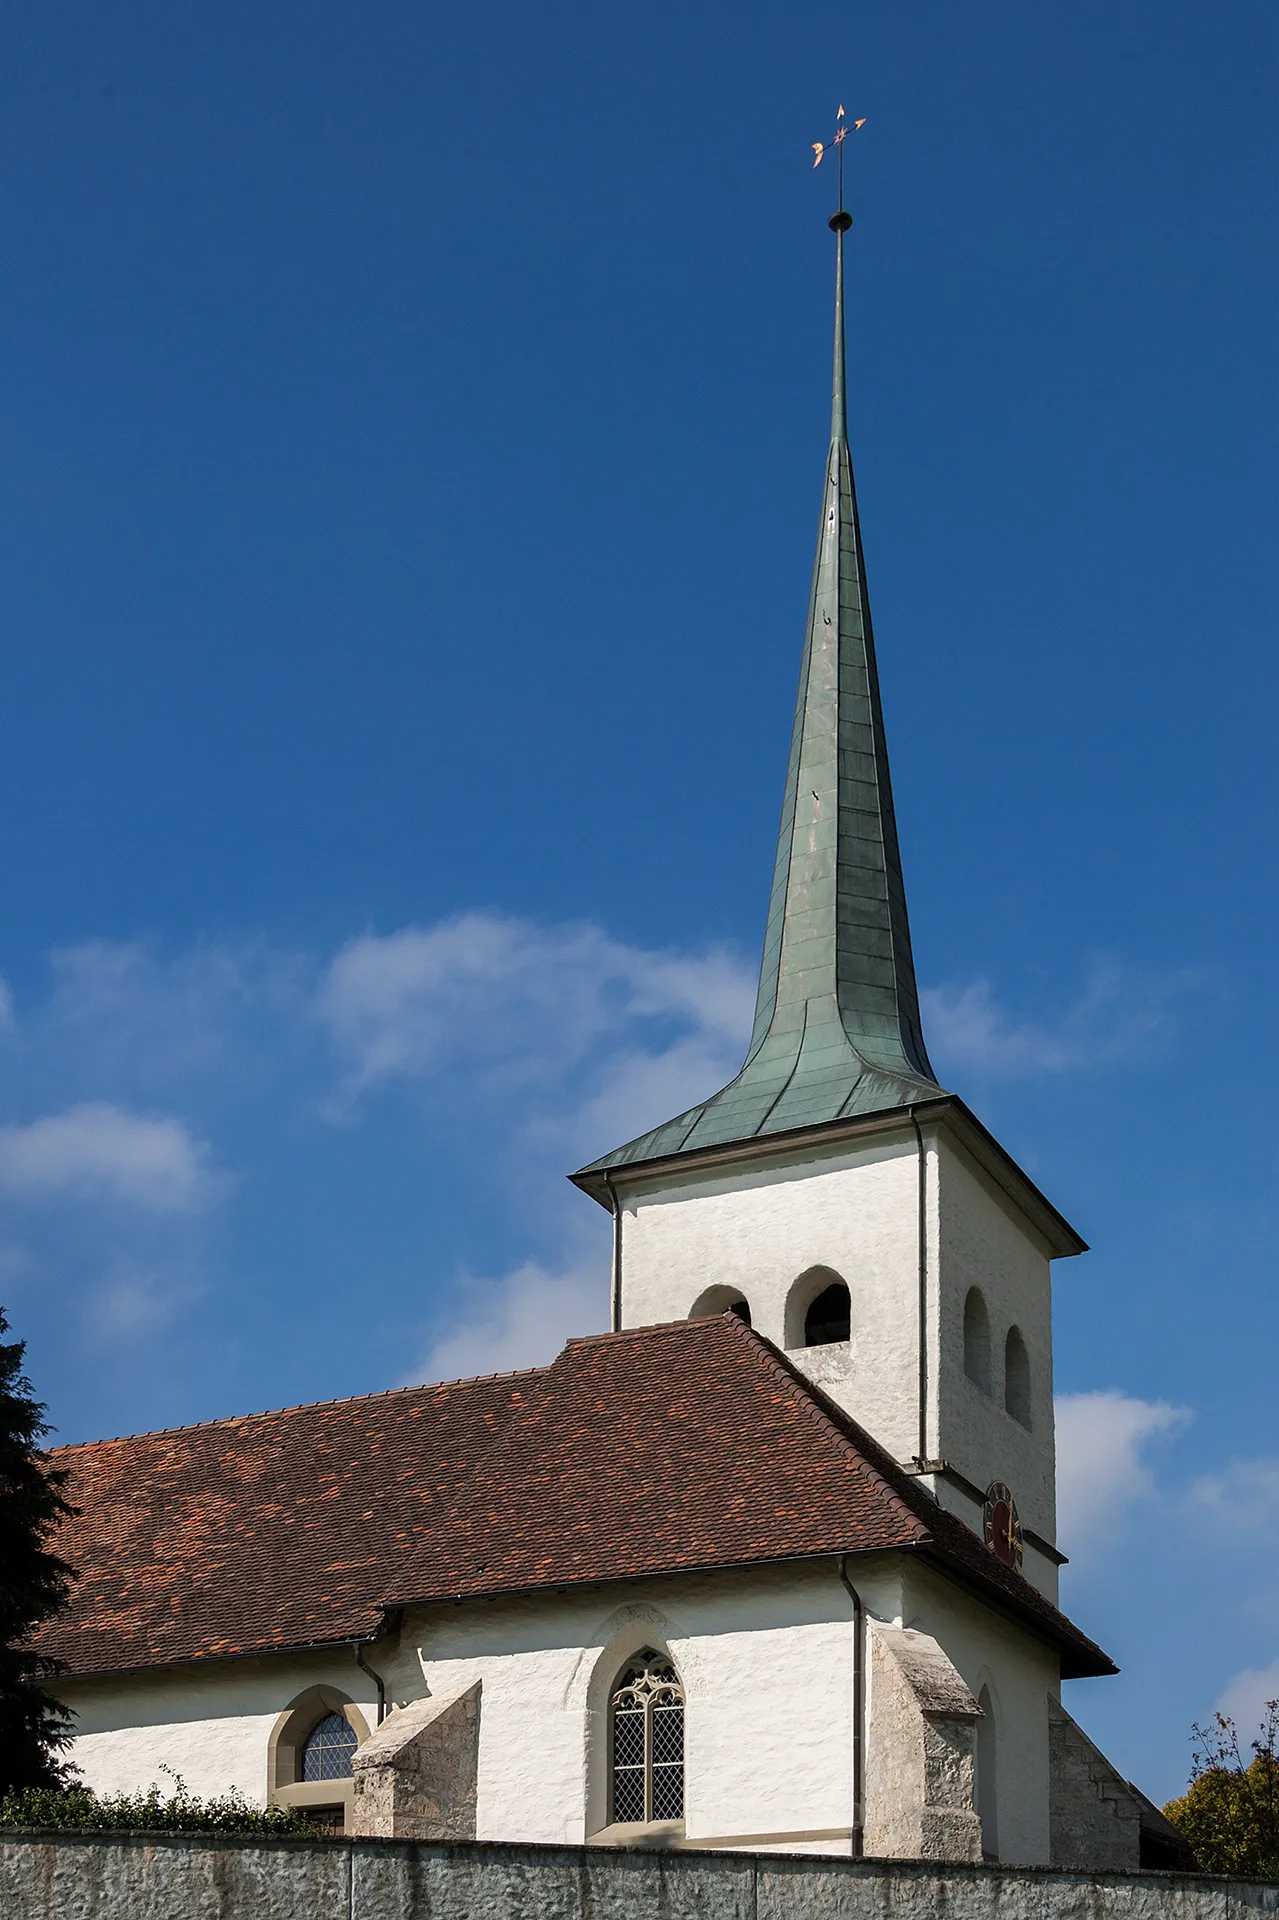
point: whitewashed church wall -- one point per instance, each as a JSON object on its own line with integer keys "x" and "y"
{"x": 209, "y": 1724}
{"x": 985, "y": 1243}
{"x": 765, "y": 1659}
{"x": 1021, "y": 1674}
{"x": 766, "y": 1664}
{"x": 851, "y": 1207}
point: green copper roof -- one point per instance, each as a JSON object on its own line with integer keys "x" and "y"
{"x": 837, "y": 1030}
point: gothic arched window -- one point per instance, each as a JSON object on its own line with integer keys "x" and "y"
{"x": 327, "y": 1749}
{"x": 977, "y": 1340}
{"x": 1017, "y": 1377}
{"x": 646, "y": 1728}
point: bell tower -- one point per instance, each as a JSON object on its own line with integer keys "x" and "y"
{"x": 834, "y": 1192}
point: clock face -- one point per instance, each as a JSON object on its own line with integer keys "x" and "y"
{"x": 1003, "y": 1528}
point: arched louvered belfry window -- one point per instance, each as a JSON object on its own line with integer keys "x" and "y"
{"x": 327, "y": 1749}
{"x": 646, "y": 1729}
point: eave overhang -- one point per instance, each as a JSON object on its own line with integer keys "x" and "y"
{"x": 948, "y": 1111}
{"x": 1080, "y": 1659}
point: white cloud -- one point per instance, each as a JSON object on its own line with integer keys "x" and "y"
{"x": 1101, "y": 1469}
{"x": 6, "y": 1005}
{"x": 133, "y": 1014}
{"x": 99, "y": 1151}
{"x": 1245, "y": 1698}
{"x": 529, "y": 999}
{"x": 1120, "y": 1014}
{"x": 1242, "y": 1502}
{"x": 521, "y": 1320}
{"x": 131, "y": 1304}
{"x": 633, "y": 1092}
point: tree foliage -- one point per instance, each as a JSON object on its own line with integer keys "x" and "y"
{"x": 34, "y": 1582}
{"x": 1230, "y": 1811}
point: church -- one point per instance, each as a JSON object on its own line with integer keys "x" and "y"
{"x": 771, "y": 1565}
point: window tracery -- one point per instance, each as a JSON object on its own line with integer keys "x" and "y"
{"x": 327, "y": 1749}
{"x": 646, "y": 1715}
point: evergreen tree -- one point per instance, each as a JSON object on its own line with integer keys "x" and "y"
{"x": 34, "y": 1583}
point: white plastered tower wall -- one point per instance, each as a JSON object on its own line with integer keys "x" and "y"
{"x": 774, "y": 1226}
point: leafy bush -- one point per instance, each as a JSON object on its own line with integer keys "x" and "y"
{"x": 1230, "y": 1811}
{"x": 76, "y": 1807}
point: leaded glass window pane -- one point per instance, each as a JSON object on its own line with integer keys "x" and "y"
{"x": 647, "y": 1732}
{"x": 326, "y": 1754}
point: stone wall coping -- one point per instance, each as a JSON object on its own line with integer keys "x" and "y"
{"x": 665, "y": 1860}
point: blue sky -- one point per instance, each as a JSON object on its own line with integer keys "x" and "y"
{"x": 413, "y": 428}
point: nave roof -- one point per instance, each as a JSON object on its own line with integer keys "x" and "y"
{"x": 683, "y": 1448}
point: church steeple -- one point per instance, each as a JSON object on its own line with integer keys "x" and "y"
{"x": 837, "y": 1030}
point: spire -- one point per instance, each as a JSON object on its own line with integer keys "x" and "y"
{"x": 837, "y": 1030}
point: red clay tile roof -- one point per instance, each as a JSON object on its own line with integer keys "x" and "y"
{"x": 666, "y": 1449}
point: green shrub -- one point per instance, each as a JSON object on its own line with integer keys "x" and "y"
{"x": 1230, "y": 1811}
{"x": 76, "y": 1807}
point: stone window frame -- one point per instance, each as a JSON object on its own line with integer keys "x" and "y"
{"x": 651, "y": 1661}
{"x": 634, "y": 1630}
{"x": 284, "y": 1787}
{"x": 803, "y": 1291}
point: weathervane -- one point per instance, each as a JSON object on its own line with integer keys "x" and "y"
{"x": 821, "y": 148}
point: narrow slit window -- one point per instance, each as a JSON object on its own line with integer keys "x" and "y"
{"x": 977, "y": 1340}
{"x": 647, "y": 1732}
{"x": 1017, "y": 1377}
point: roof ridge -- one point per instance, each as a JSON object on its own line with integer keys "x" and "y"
{"x": 826, "y": 1413}
{"x": 300, "y": 1406}
{"x": 643, "y": 1333}
{"x": 950, "y": 1527}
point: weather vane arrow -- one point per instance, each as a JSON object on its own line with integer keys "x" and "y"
{"x": 822, "y": 147}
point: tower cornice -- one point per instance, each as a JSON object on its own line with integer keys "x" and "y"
{"x": 947, "y": 1111}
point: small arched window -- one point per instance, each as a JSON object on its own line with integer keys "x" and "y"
{"x": 977, "y": 1340}
{"x": 830, "y": 1318}
{"x": 1017, "y": 1377}
{"x": 327, "y": 1749}
{"x": 720, "y": 1300}
{"x": 646, "y": 1732}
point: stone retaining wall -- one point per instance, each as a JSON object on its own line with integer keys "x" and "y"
{"x": 45, "y": 1876}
